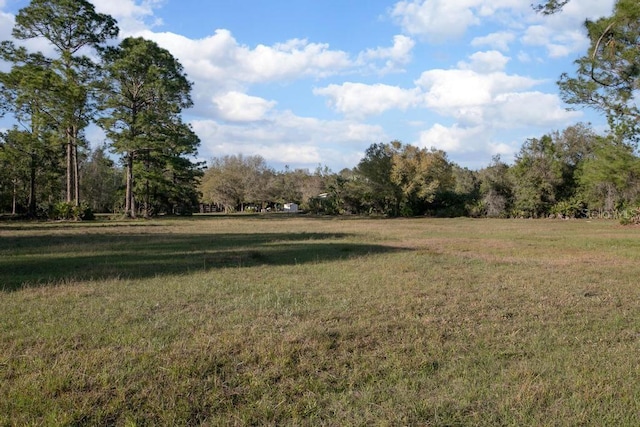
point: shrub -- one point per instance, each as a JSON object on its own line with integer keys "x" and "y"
{"x": 633, "y": 218}
{"x": 69, "y": 211}
{"x": 573, "y": 208}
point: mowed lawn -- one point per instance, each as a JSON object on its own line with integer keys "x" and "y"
{"x": 294, "y": 320}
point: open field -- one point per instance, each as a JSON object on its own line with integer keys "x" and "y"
{"x": 276, "y": 320}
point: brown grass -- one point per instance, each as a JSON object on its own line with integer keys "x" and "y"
{"x": 320, "y": 321}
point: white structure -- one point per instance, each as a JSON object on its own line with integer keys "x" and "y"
{"x": 291, "y": 207}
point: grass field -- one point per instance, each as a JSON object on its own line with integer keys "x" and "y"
{"x": 276, "y": 320}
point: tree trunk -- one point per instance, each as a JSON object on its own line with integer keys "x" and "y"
{"x": 32, "y": 187}
{"x": 69, "y": 166}
{"x": 15, "y": 196}
{"x": 130, "y": 209}
{"x": 76, "y": 166}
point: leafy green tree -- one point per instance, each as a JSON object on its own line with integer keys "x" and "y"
{"x": 166, "y": 177}
{"x": 378, "y": 189}
{"x": 610, "y": 178}
{"x": 234, "y": 181}
{"x": 573, "y": 147}
{"x": 421, "y": 175}
{"x": 286, "y": 186}
{"x": 608, "y": 77}
{"x": 25, "y": 95}
{"x": 537, "y": 175}
{"x": 338, "y": 193}
{"x": 142, "y": 97}
{"x": 463, "y": 198}
{"x": 72, "y": 27}
{"x": 496, "y": 189}
{"x": 101, "y": 181}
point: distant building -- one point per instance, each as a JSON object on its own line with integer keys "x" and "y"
{"x": 291, "y": 207}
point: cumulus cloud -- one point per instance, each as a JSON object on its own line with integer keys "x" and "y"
{"x": 500, "y": 40}
{"x": 440, "y": 20}
{"x": 287, "y": 139}
{"x": 562, "y": 34}
{"x": 537, "y": 109}
{"x": 435, "y": 19}
{"x": 6, "y": 25}
{"x": 558, "y": 43}
{"x": 451, "y": 91}
{"x": 221, "y": 58}
{"x": 485, "y": 62}
{"x": 240, "y": 107}
{"x": 473, "y": 144}
{"x": 360, "y": 100}
{"x": 480, "y": 98}
{"x": 451, "y": 139}
{"x": 132, "y": 16}
{"x": 505, "y": 113}
{"x": 394, "y": 57}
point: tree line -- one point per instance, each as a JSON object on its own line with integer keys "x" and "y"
{"x": 135, "y": 91}
{"x": 569, "y": 173}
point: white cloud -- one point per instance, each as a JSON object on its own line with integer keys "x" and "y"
{"x": 558, "y": 43}
{"x": 499, "y": 40}
{"x": 524, "y": 57}
{"x": 395, "y": 56}
{"x": 222, "y": 59}
{"x": 483, "y": 102}
{"x": 576, "y": 11}
{"x": 440, "y": 20}
{"x": 485, "y": 62}
{"x": 436, "y": 19}
{"x": 288, "y": 139}
{"x": 486, "y": 103}
{"x": 562, "y": 33}
{"x": 451, "y": 91}
{"x": 360, "y": 100}
{"x": 452, "y": 139}
{"x": 474, "y": 144}
{"x": 6, "y": 26}
{"x": 537, "y": 35}
{"x": 537, "y": 109}
{"x": 132, "y": 16}
{"x": 507, "y": 112}
{"x": 239, "y": 107}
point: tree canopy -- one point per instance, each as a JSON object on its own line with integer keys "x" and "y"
{"x": 135, "y": 90}
{"x": 72, "y": 27}
{"x": 607, "y": 78}
{"x": 142, "y": 96}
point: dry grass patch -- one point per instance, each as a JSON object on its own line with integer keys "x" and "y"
{"x": 313, "y": 321}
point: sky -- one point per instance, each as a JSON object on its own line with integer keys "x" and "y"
{"x": 308, "y": 83}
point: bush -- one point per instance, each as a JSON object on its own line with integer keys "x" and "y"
{"x": 69, "y": 211}
{"x": 633, "y": 218}
{"x": 573, "y": 208}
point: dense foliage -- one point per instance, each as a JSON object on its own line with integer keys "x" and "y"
{"x": 135, "y": 91}
{"x": 568, "y": 174}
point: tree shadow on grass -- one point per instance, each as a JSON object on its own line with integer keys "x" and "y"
{"x": 27, "y": 261}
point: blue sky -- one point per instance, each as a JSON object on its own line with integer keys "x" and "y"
{"x": 315, "y": 82}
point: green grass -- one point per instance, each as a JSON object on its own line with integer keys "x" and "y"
{"x": 274, "y": 320}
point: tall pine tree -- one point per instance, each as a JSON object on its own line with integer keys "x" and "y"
{"x": 144, "y": 92}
